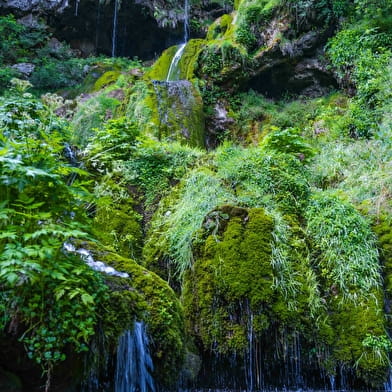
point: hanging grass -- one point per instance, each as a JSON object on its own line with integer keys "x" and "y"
{"x": 344, "y": 245}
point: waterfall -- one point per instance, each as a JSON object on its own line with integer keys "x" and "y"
{"x": 114, "y": 36}
{"x": 174, "y": 71}
{"x": 77, "y": 7}
{"x": 186, "y": 21}
{"x": 97, "y": 24}
{"x": 134, "y": 362}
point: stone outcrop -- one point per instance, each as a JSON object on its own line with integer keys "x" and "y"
{"x": 41, "y": 6}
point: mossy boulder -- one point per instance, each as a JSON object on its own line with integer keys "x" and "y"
{"x": 231, "y": 280}
{"x": 383, "y": 229}
{"x": 188, "y": 62}
{"x": 109, "y": 77}
{"x": 220, "y": 27}
{"x": 169, "y": 111}
{"x": 117, "y": 225}
{"x": 160, "y": 69}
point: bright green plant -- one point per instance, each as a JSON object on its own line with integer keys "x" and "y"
{"x": 113, "y": 141}
{"x": 155, "y": 166}
{"x": 347, "y": 246}
{"x": 288, "y": 141}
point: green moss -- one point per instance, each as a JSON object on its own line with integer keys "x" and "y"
{"x": 383, "y": 229}
{"x": 117, "y": 225}
{"x": 180, "y": 116}
{"x": 168, "y": 111}
{"x": 233, "y": 272}
{"x": 147, "y": 297}
{"x": 353, "y": 322}
{"x": 160, "y": 69}
{"x": 220, "y": 27}
{"x": 223, "y": 62}
{"x": 188, "y": 62}
{"x": 349, "y": 276}
{"x": 109, "y": 77}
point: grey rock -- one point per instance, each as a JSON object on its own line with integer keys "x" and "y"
{"x": 31, "y": 21}
{"x": 35, "y": 5}
{"x": 26, "y": 69}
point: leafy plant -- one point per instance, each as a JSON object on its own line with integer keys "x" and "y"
{"x": 50, "y": 297}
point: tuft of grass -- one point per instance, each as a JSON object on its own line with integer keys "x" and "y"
{"x": 344, "y": 245}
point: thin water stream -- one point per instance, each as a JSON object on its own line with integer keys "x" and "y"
{"x": 115, "y": 22}
{"x": 174, "y": 71}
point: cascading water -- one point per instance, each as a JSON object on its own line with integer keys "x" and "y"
{"x": 134, "y": 362}
{"x": 77, "y": 7}
{"x": 98, "y": 24}
{"x": 174, "y": 71}
{"x": 115, "y": 22}
{"x": 96, "y": 265}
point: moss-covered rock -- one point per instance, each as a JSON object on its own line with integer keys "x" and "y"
{"x": 160, "y": 69}
{"x": 117, "y": 225}
{"x": 231, "y": 280}
{"x": 169, "y": 111}
{"x": 350, "y": 280}
{"x": 188, "y": 61}
{"x": 109, "y": 77}
{"x": 383, "y": 229}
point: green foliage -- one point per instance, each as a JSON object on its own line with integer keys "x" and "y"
{"x": 251, "y": 18}
{"x": 90, "y": 114}
{"x": 153, "y": 301}
{"x": 383, "y": 229}
{"x": 361, "y": 53}
{"x": 111, "y": 142}
{"x": 153, "y": 167}
{"x": 348, "y": 254}
{"x": 115, "y": 223}
{"x": 359, "y": 169}
{"x": 50, "y": 296}
{"x": 318, "y": 12}
{"x": 288, "y": 141}
{"x": 18, "y": 40}
{"x": 53, "y": 74}
{"x": 250, "y": 177}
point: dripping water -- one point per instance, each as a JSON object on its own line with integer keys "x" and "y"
{"x": 69, "y": 153}
{"x": 332, "y": 382}
{"x": 388, "y": 384}
{"x": 175, "y": 103}
{"x": 96, "y": 363}
{"x": 134, "y": 364}
{"x": 115, "y": 22}
{"x": 97, "y": 24}
{"x": 186, "y": 21}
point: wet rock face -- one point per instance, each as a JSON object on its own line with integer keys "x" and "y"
{"x": 34, "y": 5}
{"x": 88, "y": 27}
{"x": 308, "y": 77}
